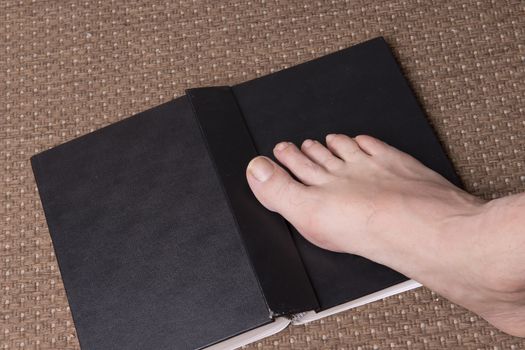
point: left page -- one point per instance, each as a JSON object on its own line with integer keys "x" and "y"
{"x": 147, "y": 247}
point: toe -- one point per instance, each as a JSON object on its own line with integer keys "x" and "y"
{"x": 382, "y": 151}
{"x": 371, "y": 145}
{"x": 309, "y": 172}
{"x": 344, "y": 147}
{"x": 321, "y": 155}
{"x": 275, "y": 188}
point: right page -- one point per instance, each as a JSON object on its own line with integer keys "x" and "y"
{"x": 359, "y": 90}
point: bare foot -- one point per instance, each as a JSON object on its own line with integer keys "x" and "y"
{"x": 365, "y": 197}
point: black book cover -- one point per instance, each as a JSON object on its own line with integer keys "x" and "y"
{"x": 148, "y": 251}
{"x": 158, "y": 238}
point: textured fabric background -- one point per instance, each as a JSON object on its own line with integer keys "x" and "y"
{"x": 70, "y": 67}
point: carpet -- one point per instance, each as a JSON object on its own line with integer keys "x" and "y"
{"x": 70, "y": 67}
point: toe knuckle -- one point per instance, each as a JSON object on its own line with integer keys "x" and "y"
{"x": 332, "y": 163}
{"x": 352, "y": 149}
{"x": 312, "y": 167}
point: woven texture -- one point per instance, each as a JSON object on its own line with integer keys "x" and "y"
{"x": 70, "y": 67}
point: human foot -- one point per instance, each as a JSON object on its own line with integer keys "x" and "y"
{"x": 353, "y": 190}
{"x": 365, "y": 197}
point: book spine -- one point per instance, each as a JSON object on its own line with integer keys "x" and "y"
{"x": 266, "y": 237}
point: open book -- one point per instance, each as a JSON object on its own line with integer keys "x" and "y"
{"x": 161, "y": 244}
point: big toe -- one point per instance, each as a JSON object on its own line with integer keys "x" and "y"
{"x": 275, "y": 188}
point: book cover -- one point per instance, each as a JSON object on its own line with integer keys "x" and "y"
{"x": 158, "y": 237}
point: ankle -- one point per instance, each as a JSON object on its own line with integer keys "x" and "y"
{"x": 435, "y": 250}
{"x": 500, "y": 243}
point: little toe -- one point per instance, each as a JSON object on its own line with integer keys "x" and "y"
{"x": 321, "y": 155}
{"x": 276, "y": 189}
{"x": 372, "y": 146}
{"x": 344, "y": 147}
{"x": 299, "y": 164}
{"x": 386, "y": 153}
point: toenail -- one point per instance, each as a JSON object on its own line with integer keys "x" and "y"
{"x": 261, "y": 168}
{"x": 308, "y": 143}
{"x": 282, "y": 145}
{"x": 330, "y": 137}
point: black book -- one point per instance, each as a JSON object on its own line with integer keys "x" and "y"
{"x": 162, "y": 245}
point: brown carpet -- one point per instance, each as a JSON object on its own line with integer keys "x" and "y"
{"x": 69, "y": 67}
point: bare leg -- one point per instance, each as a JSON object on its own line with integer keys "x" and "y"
{"x": 365, "y": 197}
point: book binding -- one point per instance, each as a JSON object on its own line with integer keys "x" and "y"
{"x": 265, "y": 235}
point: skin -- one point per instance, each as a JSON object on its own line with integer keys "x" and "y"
{"x": 362, "y": 196}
